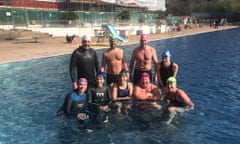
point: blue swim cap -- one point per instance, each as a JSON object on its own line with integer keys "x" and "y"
{"x": 166, "y": 53}
{"x": 101, "y": 74}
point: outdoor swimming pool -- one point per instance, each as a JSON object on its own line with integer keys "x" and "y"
{"x": 31, "y": 92}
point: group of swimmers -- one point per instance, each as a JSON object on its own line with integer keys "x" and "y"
{"x": 114, "y": 87}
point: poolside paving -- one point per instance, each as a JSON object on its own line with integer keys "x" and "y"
{"x": 48, "y": 46}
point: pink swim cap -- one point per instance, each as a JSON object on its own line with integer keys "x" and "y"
{"x": 143, "y": 37}
{"x": 145, "y": 75}
{"x": 83, "y": 80}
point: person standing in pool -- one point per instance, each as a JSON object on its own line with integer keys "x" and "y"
{"x": 179, "y": 101}
{"x": 76, "y": 104}
{"x": 84, "y": 60}
{"x": 100, "y": 99}
{"x": 142, "y": 58}
{"x": 166, "y": 69}
{"x": 113, "y": 61}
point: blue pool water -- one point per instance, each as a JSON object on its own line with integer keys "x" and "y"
{"x": 32, "y": 91}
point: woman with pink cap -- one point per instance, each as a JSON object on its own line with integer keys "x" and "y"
{"x": 145, "y": 90}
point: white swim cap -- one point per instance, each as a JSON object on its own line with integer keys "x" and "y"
{"x": 86, "y": 38}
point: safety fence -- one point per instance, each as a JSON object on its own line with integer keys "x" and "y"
{"x": 53, "y": 18}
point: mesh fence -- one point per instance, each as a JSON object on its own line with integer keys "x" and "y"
{"x": 51, "y": 18}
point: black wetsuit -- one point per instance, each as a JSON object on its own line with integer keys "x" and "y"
{"x": 74, "y": 104}
{"x": 166, "y": 73}
{"x": 99, "y": 97}
{"x": 86, "y": 62}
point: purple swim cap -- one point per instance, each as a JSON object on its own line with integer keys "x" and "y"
{"x": 83, "y": 80}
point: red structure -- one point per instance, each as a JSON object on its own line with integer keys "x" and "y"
{"x": 48, "y": 4}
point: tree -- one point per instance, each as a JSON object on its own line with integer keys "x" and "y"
{"x": 70, "y": 15}
{"x": 124, "y": 15}
{"x": 185, "y": 7}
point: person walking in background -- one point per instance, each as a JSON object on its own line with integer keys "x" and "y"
{"x": 70, "y": 38}
{"x": 84, "y": 61}
{"x": 179, "y": 101}
{"x": 165, "y": 69}
{"x": 141, "y": 60}
{"x": 113, "y": 61}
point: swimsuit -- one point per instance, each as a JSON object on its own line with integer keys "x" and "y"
{"x": 123, "y": 92}
{"x": 175, "y": 102}
{"x": 138, "y": 75}
{"x": 166, "y": 73}
{"x": 111, "y": 78}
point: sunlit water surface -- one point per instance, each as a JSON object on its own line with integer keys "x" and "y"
{"x": 31, "y": 92}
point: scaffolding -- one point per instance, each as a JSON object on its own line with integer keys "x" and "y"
{"x": 54, "y": 18}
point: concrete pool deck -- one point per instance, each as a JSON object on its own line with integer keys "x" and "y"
{"x": 12, "y": 51}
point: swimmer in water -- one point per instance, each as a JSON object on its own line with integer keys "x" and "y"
{"x": 100, "y": 99}
{"x": 122, "y": 94}
{"x": 179, "y": 101}
{"x": 76, "y": 103}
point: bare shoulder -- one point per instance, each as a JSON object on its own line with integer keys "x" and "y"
{"x": 175, "y": 64}
{"x": 120, "y": 49}
{"x": 137, "y": 49}
{"x": 130, "y": 84}
{"x": 182, "y": 93}
{"x": 136, "y": 87}
{"x": 114, "y": 85}
{"x": 150, "y": 47}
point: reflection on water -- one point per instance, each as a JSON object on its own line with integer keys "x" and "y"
{"x": 32, "y": 91}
